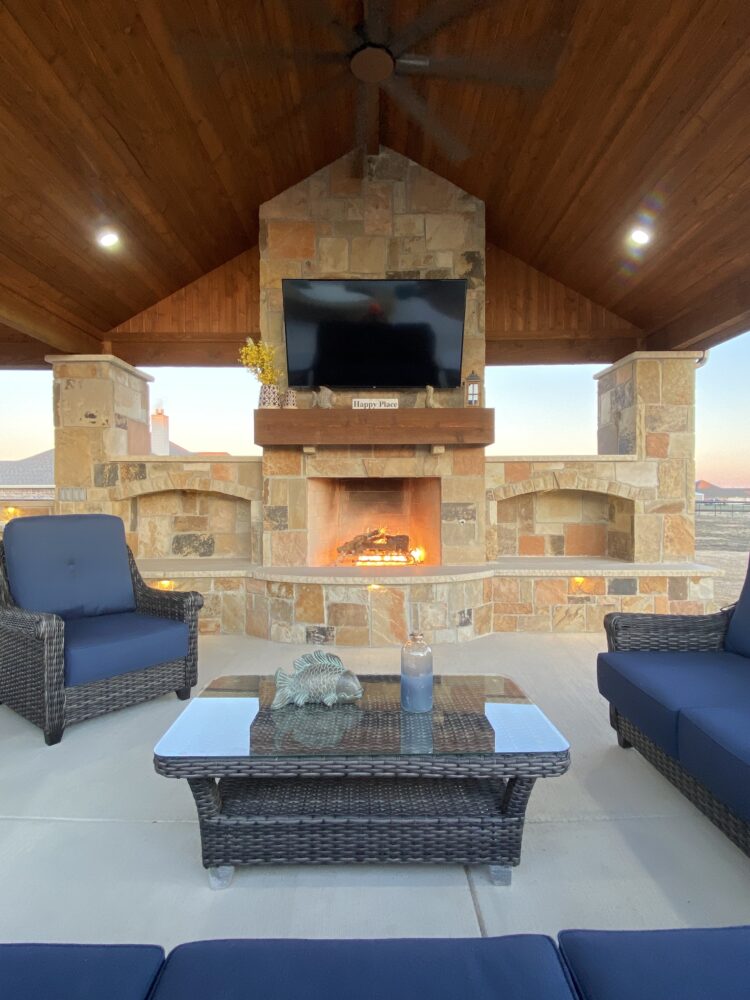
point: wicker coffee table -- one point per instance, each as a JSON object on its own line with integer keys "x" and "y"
{"x": 362, "y": 783}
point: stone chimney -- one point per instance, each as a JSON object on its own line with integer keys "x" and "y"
{"x": 159, "y": 432}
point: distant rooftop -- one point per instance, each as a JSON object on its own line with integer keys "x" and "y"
{"x": 39, "y": 470}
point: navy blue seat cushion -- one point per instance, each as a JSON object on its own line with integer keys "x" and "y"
{"x": 525, "y": 967}
{"x": 737, "y": 639}
{"x": 108, "y": 645}
{"x": 714, "y": 746}
{"x": 691, "y": 964}
{"x": 71, "y": 565}
{"x": 78, "y": 971}
{"x": 651, "y": 689}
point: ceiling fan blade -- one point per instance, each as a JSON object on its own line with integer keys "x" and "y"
{"x": 367, "y": 123}
{"x": 511, "y": 71}
{"x": 324, "y": 14}
{"x": 416, "y": 108}
{"x": 321, "y": 95}
{"x": 263, "y": 55}
{"x": 377, "y": 15}
{"x": 439, "y": 14}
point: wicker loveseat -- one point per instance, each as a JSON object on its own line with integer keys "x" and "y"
{"x": 80, "y": 632}
{"x": 679, "y": 692}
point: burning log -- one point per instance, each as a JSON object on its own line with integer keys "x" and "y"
{"x": 375, "y": 543}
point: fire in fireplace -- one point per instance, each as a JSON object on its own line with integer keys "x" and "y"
{"x": 373, "y": 521}
{"x": 380, "y": 548}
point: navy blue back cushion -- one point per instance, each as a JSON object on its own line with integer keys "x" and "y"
{"x": 737, "y": 639}
{"x": 73, "y": 565}
{"x": 691, "y": 964}
{"x": 78, "y": 971}
{"x": 525, "y": 967}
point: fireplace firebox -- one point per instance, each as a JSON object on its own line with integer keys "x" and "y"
{"x": 374, "y": 522}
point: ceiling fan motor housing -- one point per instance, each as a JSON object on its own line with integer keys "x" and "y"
{"x": 372, "y": 64}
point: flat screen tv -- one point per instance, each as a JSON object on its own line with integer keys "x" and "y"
{"x": 379, "y": 334}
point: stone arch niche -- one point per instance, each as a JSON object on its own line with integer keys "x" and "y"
{"x": 585, "y": 517}
{"x": 185, "y": 523}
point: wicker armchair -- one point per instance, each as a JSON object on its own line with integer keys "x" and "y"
{"x": 34, "y": 662}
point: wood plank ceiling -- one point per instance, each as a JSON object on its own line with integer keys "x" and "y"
{"x": 167, "y": 120}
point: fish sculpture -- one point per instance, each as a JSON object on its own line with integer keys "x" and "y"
{"x": 318, "y": 677}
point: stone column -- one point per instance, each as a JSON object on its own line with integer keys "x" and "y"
{"x": 101, "y": 412}
{"x": 647, "y": 410}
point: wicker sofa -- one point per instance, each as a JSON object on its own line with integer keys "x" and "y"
{"x": 679, "y": 692}
{"x": 80, "y": 632}
{"x": 588, "y": 965}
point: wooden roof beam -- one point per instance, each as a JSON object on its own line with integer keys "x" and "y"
{"x": 571, "y": 351}
{"x": 24, "y": 316}
{"x": 721, "y": 316}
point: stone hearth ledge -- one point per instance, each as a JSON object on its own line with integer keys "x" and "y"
{"x": 514, "y": 566}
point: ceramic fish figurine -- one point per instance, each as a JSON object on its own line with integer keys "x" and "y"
{"x": 317, "y": 677}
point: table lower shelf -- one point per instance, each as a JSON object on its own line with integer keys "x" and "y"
{"x": 248, "y": 821}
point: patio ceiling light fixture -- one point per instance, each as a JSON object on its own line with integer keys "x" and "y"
{"x": 640, "y": 236}
{"x": 107, "y": 238}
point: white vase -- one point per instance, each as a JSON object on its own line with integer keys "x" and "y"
{"x": 269, "y": 398}
{"x": 289, "y": 402}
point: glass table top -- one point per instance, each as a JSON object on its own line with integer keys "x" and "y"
{"x": 471, "y": 715}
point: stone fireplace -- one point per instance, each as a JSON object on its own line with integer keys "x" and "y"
{"x": 516, "y": 543}
{"x": 374, "y": 522}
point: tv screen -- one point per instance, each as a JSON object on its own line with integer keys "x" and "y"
{"x": 361, "y": 334}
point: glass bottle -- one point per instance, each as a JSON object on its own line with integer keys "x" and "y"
{"x": 416, "y": 674}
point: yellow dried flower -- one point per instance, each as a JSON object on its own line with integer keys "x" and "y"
{"x": 258, "y": 358}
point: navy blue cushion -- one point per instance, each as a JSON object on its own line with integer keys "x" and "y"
{"x": 78, "y": 971}
{"x": 691, "y": 964}
{"x": 650, "y": 689}
{"x": 526, "y": 967}
{"x": 108, "y": 645}
{"x": 714, "y": 746}
{"x": 737, "y": 639}
{"x": 72, "y": 565}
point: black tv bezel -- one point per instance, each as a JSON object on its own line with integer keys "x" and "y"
{"x": 374, "y": 388}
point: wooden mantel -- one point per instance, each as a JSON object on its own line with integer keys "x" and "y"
{"x": 469, "y": 426}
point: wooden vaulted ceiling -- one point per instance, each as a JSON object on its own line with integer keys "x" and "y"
{"x": 162, "y": 118}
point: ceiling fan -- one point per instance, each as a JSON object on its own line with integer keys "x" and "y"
{"x": 381, "y": 59}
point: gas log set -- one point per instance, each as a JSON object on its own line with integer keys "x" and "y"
{"x": 378, "y": 547}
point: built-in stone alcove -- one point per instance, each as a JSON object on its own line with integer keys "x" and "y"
{"x": 340, "y": 510}
{"x": 566, "y": 523}
{"x": 191, "y": 524}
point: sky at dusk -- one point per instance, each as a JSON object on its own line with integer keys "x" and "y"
{"x": 539, "y": 410}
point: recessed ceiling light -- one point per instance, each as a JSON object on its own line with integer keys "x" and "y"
{"x": 107, "y": 238}
{"x": 640, "y": 236}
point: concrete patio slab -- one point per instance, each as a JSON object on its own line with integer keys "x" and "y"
{"x": 94, "y": 846}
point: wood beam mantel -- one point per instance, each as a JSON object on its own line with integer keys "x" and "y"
{"x": 459, "y": 426}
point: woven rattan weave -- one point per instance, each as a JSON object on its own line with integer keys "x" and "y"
{"x": 334, "y": 786}
{"x": 32, "y": 661}
{"x": 736, "y": 829}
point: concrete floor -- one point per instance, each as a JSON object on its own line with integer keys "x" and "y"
{"x": 94, "y": 846}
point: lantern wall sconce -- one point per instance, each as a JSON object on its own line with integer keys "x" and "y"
{"x": 473, "y": 390}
